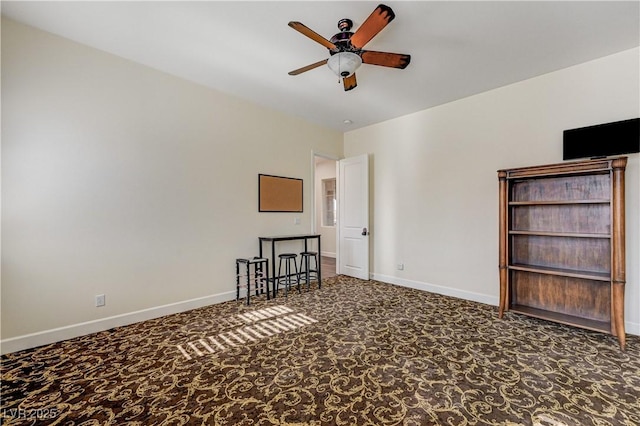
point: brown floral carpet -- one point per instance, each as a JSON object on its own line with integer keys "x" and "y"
{"x": 351, "y": 353}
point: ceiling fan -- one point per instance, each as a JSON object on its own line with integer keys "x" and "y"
{"x": 346, "y": 47}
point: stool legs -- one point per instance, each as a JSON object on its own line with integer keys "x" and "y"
{"x": 297, "y": 275}
{"x": 259, "y": 278}
{"x": 262, "y": 277}
{"x": 305, "y": 267}
{"x": 289, "y": 276}
{"x": 248, "y": 282}
{"x": 237, "y": 279}
{"x": 278, "y": 277}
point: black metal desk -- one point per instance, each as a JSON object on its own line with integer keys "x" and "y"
{"x": 274, "y": 239}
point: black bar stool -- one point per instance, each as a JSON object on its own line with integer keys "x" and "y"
{"x": 289, "y": 276}
{"x": 259, "y": 278}
{"x": 306, "y": 272}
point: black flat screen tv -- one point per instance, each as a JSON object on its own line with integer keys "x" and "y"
{"x": 602, "y": 140}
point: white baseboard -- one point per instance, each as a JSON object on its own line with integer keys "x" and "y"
{"x": 630, "y": 327}
{"x": 327, "y": 254}
{"x": 445, "y": 291}
{"x": 46, "y": 337}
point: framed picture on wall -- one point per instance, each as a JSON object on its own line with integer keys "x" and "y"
{"x": 279, "y": 194}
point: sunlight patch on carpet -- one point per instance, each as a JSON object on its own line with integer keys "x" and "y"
{"x": 259, "y": 324}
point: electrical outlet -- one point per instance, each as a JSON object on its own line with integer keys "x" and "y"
{"x": 400, "y": 266}
{"x": 100, "y": 300}
{"x": 296, "y": 221}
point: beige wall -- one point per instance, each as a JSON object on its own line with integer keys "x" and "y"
{"x": 435, "y": 190}
{"x": 121, "y": 180}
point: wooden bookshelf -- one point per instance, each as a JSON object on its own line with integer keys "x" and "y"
{"x": 562, "y": 243}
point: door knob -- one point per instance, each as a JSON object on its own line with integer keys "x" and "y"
{"x": 365, "y": 232}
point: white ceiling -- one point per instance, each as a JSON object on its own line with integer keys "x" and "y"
{"x": 246, "y": 48}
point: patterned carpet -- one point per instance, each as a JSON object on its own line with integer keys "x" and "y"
{"x": 352, "y": 353}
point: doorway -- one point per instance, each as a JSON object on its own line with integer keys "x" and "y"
{"x": 325, "y": 210}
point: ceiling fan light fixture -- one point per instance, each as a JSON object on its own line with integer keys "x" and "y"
{"x": 344, "y": 63}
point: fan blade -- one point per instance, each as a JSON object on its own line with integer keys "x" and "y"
{"x": 393, "y": 60}
{"x": 308, "y": 67}
{"x": 378, "y": 19}
{"x": 301, "y": 28}
{"x": 349, "y": 82}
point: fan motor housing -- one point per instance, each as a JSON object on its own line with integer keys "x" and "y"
{"x": 341, "y": 40}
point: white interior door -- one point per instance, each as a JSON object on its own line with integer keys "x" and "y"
{"x": 353, "y": 217}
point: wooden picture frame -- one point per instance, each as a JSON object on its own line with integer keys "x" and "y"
{"x": 279, "y": 194}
